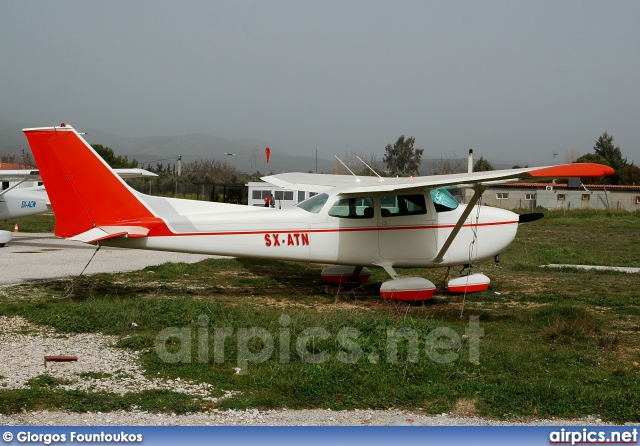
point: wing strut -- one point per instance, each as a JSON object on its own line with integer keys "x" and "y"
{"x": 478, "y": 190}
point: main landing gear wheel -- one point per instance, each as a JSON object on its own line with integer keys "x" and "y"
{"x": 345, "y": 274}
{"x": 406, "y": 289}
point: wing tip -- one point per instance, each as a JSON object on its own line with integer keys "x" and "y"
{"x": 590, "y": 170}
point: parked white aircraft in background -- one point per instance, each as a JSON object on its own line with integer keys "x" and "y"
{"x": 352, "y": 222}
{"x": 18, "y": 202}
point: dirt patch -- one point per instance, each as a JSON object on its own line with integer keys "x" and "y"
{"x": 465, "y": 408}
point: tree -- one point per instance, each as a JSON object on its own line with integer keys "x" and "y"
{"x": 607, "y": 153}
{"x": 210, "y": 170}
{"x": 482, "y": 165}
{"x": 592, "y": 158}
{"x": 116, "y": 162}
{"x": 629, "y": 175}
{"x": 24, "y": 161}
{"x": 444, "y": 166}
{"x": 401, "y": 158}
{"x": 356, "y": 166}
{"x": 605, "y": 148}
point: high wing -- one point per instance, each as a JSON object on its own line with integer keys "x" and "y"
{"x": 349, "y": 184}
{"x": 134, "y": 173}
{"x": 34, "y": 174}
{"x": 20, "y": 175}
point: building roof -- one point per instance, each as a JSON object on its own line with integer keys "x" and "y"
{"x": 10, "y": 166}
{"x": 609, "y": 187}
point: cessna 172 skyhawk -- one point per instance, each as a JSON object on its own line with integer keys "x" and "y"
{"x": 354, "y": 222}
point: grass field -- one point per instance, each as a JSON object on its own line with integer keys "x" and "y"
{"x": 556, "y": 343}
{"x": 33, "y": 223}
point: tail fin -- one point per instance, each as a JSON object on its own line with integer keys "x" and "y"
{"x": 84, "y": 191}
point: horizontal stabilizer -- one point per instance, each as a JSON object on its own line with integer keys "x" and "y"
{"x": 107, "y": 232}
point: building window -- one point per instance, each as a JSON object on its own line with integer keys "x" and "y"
{"x": 502, "y": 196}
{"x": 259, "y": 194}
{"x": 300, "y": 196}
{"x": 284, "y": 195}
{"x": 560, "y": 197}
{"x": 586, "y": 197}
{"x": 530, "y": 197}
{"x": 637, "y": 199}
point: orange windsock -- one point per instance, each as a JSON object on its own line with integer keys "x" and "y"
{"x": 267, "y": 152}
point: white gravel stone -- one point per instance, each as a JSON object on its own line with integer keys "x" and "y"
{"x": 110, "y": 369}
{"x": 392, "y": 417}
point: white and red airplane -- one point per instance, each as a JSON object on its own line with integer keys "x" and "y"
{"x": 352, "y": 222}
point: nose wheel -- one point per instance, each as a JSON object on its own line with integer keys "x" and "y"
{"x": 468, "y": 282}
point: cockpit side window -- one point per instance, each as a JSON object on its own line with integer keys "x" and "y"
{"x": 402, "y": 205}
{"x": 443, "y": 200}
{"x": 352, "y": 207}
{"x": 313, "y": 204}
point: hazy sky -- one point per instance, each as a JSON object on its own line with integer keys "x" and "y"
{"x": 514, "y": 80}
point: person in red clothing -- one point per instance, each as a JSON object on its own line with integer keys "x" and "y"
{"x": 267, "y": 200}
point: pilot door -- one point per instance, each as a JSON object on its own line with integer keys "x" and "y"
{"x": 407, "y": 227}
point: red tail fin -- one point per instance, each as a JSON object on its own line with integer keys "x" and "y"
{"x": 83, "y": 190}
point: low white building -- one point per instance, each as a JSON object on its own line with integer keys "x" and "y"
{"x": 281, "y": 198}
{"x": 563, "y": 196}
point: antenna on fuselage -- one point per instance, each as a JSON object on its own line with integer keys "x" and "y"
{"x": 357, "y": 179}
{"x": 381, "y": 179}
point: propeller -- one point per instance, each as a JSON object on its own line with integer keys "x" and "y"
{"x": 527, "y": 218}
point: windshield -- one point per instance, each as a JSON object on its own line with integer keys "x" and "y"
{"x": 313, "y": 204}
{"x": 443, "y": 200}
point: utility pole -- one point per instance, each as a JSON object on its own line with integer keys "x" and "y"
{"x": 316, "y": 160}
{"x": 179, "y": 173}
{"x": 254, "y": 159}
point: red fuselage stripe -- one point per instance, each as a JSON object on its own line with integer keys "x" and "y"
{"x": 317, "y": 231}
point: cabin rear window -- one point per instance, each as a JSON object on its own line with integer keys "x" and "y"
{"x": 443, "y": 200}
{"x": 313, "y": 204}
{"x": 353, "y": 207}
{"x": 402, "y": 205}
